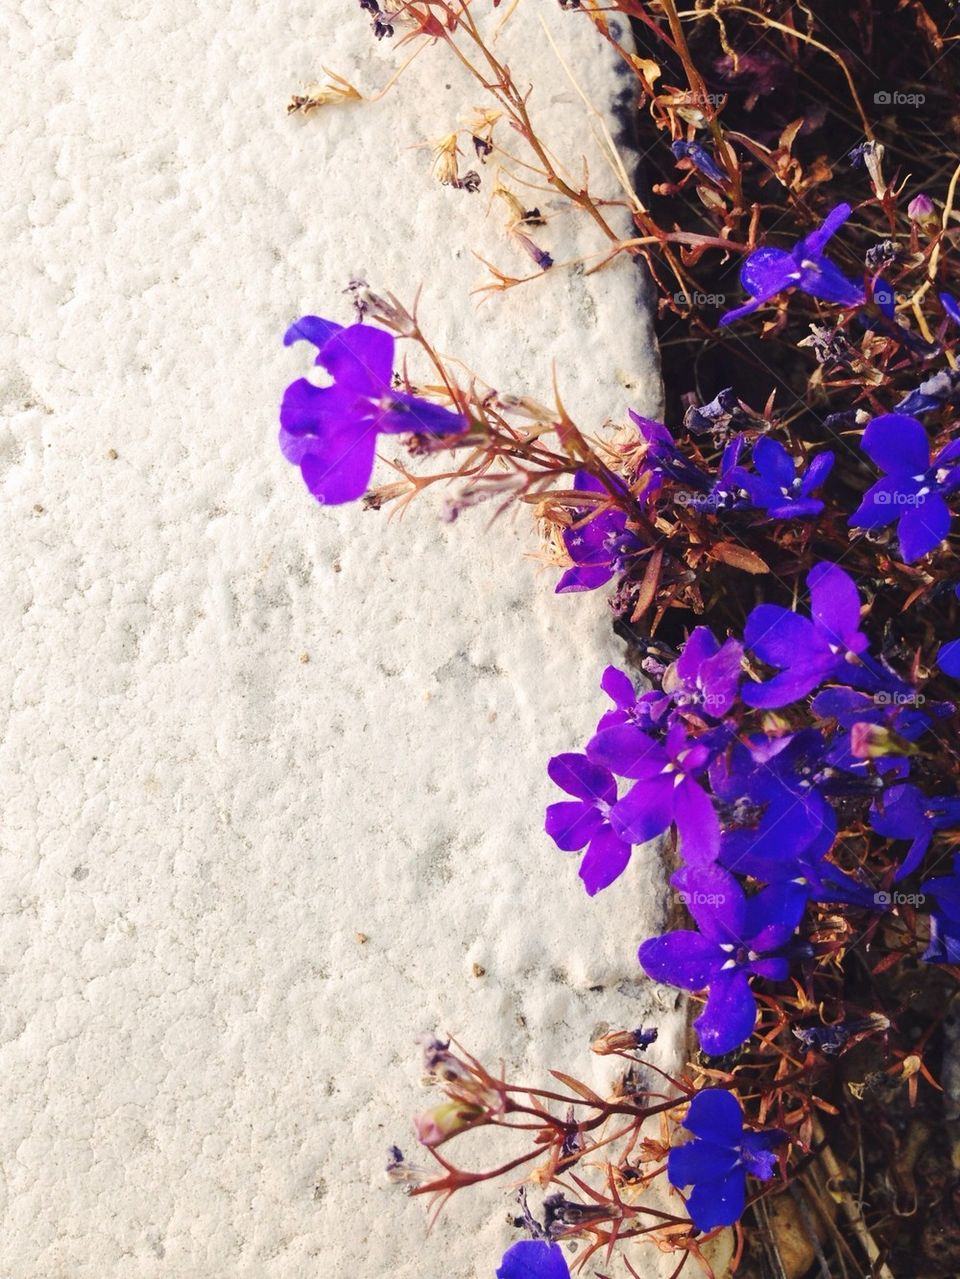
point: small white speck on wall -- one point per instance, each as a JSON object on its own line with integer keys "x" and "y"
{"x": 273, "y": 775}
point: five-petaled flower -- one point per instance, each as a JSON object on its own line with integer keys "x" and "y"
{"x": 665, "y": 789}
{"x": 776, "y": 486}
{"x": 533, "y": 1259}
{"x": 330, "y": 432}
{"x": 944, "y": 945}
{"x": 769, "y": 271}
{"x": 911, "y": 491}
{"x": 740, "y": 937}
{"x": 585, "y": 820}
{"x": 717, "y": 1160}
{"x": 806, "y": 651}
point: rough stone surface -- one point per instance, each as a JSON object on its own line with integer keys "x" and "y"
{"x": 200, "y": 1065}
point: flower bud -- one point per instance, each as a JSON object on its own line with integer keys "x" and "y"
{"x": 436, "y": 1125}
{"x": 920, "y": 209}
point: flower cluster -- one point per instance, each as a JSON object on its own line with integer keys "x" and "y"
{"x": 781, "y": 558}
{"x": 754, "y": 802}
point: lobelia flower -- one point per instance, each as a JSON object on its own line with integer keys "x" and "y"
{"x": 904, "y": 812}
{"x": 726, "y": 492}
{"x": 951, "y": 306}
{"x": 706, "y": 675}
{"x": 330, "y": 432}
{"x": 716, "y": 1162}
{"x": 806, "y": 651}
{"x": 665, "y": 790}
{"x": 585, "y": 821}
{"x": 777, "y": 486}
{"x": 768, "y": 271}
{"x": 600, "y": 547}
{"x": 739, "y": 938}
{"x": 944, "y": 945}
{"x": 533, "y": 1259}
{"x": 780, "y": 779}
{"x": 948, "y": 658}
{"x": 910, "y": 493}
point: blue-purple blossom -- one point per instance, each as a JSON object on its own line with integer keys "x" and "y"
{"x": 777, "y": 486}
{"x": 706, "y": 675}
{"x": 948, "y": 658}
{"x": 533, "y": 1259}
{"x": 330, "y": 432}
{"x": 768, "y": 271}
{"x": 904, "y": 812}
{"x": 600, "y": 545}
{"x": 701, "y": 158}
{"x": 944, "y": 945}
{"x": 740, "y": 937}
{"x": 665, "y": 790}
{"x": 585, "y": 820}
{"x": 806, "y": 651}
{"x": 911, "y": 491}
{"x": 780, "y": 824}
{"x": 716, "y": 1162}
{"x": 951, "y": 306}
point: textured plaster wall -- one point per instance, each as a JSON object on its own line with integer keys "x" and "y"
{"x": 200, "y": 1064}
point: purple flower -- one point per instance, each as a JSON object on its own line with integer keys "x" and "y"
{"x": 701, "y": 158}
{"x": 948, "y": 659}
{"x": 706, "y": 675}
{"x": 739, "y": 938}
{"x": 910, "y": 492}
{"x": 904, "y": 812}
{"x": 807, "y": 652}
{"x": 599, "y": 545}
{"x": 646, "y": 710}
{"x": 717, "y": 1160}
{"x": 585, "y": 821}
{"x": 533, "y": 1259}
{"x": 777, "y": 487}
{"x": 665, "y": 790}
{"x": 787, "y": 825}
{"x": 768, "y": 271}
{"x": 944, "y": 945}
{"x": 951, "y": 306}
{"x": 331, "y": 431}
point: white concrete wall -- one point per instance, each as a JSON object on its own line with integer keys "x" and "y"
{"x": 200, "y": 1066}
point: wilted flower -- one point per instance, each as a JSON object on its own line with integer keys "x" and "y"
{"x": 701, "y": 158}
